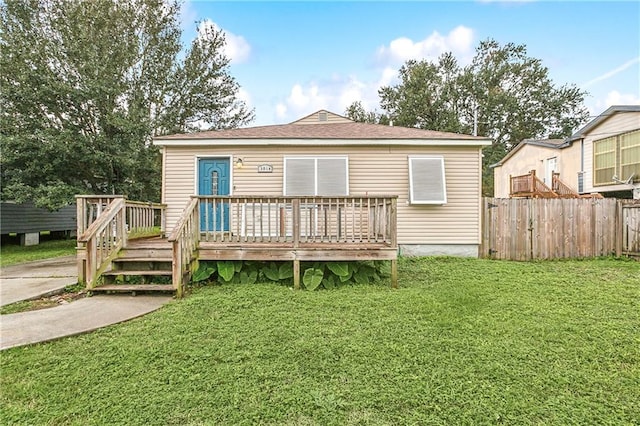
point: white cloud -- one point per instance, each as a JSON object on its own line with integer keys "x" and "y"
{"x": 236, "y": 48}
{"x": 613, "y": 97}
{"x": 301, "y": 101}
{"x": 335, "y": 95}
{"x": 245, "y": 96}
{"x": 459, "y": 41}
{"x": 611, "y": 73}
{"x": 389, "y": 75}
{"x": 338, "y": 92}
{"x": 616, "y": 98}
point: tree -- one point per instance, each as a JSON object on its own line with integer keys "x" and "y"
{"x": 84, "y": 87}
{"x": 507, "y": 94}
{"x": 427, "y": 96}
{"x": 357, "y": 113}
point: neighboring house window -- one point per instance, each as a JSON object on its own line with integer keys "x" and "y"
{"x": 616, "y": 155}
{"x": 427, "y": 180}
{"x": 604, "y": 160}
{"x": 323, "y": 176}
{"x": 630, "y": 155}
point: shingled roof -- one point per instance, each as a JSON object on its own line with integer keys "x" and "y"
{"x": 327, "y": 130}
{"x": 547, "y": 143}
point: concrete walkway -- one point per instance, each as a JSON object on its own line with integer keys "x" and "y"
{"x": 77, "y": 317}
{"x": 33, "y": 280}
{"x": 37, "y": 279}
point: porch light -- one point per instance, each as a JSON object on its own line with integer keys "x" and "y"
{"x": 239, "y": 163}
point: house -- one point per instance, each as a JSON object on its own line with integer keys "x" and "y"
{"x": 323, "y": 188}
{"x": 610, "y": 147}
{"x": 435, "y": 175}
{"x": 27, "y": 221}
{"x": 603, "y": 157}
{"x": 542, "y": 158}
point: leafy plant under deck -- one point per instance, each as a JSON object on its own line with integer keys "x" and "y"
{"x": 461, "y": 342}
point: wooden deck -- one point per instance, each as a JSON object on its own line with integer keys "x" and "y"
{"x": 530, "y": 186}
{"x": 258, "y": 228}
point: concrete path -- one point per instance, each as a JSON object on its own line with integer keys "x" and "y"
{"x": 77, "y": 317}
{"x": 37, "y": 279}
{"x": 32, "y": 280}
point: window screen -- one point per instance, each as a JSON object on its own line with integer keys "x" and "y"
{"x": 324, "y": 176}
{"x": 604, "y": 160}
{"x": 427, "y": 180}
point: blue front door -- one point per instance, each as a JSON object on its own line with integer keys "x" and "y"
{"x": 213, "y": 179}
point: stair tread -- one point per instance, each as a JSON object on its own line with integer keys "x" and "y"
{"x": 143, "y": 259}
{"x": 152, "y": 272}
{"x": 134, "y": 287}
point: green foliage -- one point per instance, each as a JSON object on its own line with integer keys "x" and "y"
{"x": 249, "y": 277}
{"x": 312, "y": 278}
{"x": 340, "y": 269}
{"x": 315, "y": 275}
{"x": 84, "y": 87}
{"x": 204, "y": 272}
{"x": 226, "y": 269}
{"x": 509, "y": 92}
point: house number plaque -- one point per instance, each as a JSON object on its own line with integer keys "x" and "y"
{"x": 265, "y": 168}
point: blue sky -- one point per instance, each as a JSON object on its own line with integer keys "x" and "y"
{"x": 293, "y": 58}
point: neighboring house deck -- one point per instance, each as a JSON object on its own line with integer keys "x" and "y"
{"x": 603, "y": 157}
{"x": 531, "y": 186}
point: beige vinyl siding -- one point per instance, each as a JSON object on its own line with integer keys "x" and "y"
{"x": 372, "y": 170}
{"x": 621, "y": 122}
{"x": 315, "y": 118}
{"x": 533, "y": 157}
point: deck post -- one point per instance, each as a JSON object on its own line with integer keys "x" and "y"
{"x": 394, "y": 273}
{"x": 295, "y": 204}
{"x": 81, "y": 251}
{"x": 296, "y": 274}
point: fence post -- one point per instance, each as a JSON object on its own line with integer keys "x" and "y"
{"x": 618, "y": 228}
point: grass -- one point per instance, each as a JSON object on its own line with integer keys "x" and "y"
{"x": 461, "y": 342}
{"x": 12, "y": 254}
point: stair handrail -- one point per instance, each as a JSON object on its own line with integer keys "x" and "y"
{"x": 185, "y": 239}
{"x": 561, "y": 188}
{"x": 103, "y": 239}
{"x": 541, "y": 189}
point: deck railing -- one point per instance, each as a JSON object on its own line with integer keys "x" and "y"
{"x": 102, "y": 240}
{"x": 529, "y": 185}
{"x": 184, "y": 240}
{"x": 561, "y": 188}
{"x": 142, "y": 218}
{"x": 105, "y": 222}
{"x": 298, "y": 220}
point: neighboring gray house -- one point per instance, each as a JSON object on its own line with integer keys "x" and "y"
{"x": 28, "y": 221}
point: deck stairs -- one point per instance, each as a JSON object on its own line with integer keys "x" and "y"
{"x": 144, "y": 265}
{"x": 531, "y": 186}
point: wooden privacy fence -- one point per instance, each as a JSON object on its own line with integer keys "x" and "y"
{"x": 524, "y": 229}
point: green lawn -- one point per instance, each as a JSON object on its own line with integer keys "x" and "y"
{"x": 461, "y": 342}
{"x": 11, "y": 254}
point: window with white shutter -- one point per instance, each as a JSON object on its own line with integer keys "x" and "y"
{"x": 426, "y": 180}
{"x": 323, "y": 176}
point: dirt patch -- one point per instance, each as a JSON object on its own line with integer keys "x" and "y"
{"x": 44, "y": 302}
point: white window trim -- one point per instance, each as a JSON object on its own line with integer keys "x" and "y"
{"x": 315, "y": 175}
{"x": 411, "y": 186}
